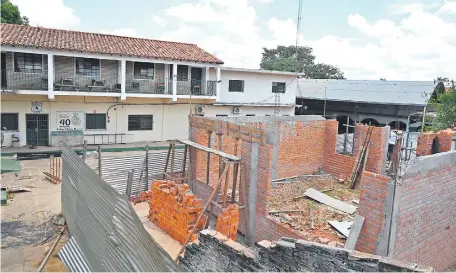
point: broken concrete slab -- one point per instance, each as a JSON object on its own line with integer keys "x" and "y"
{"x": 328, "y": 200}
{"x": 342, "y": 227}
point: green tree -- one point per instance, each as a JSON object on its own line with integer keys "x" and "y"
{"x": 301, "y": 60}
{"x": 444, "y": 102}
{"x": 11, "y": 14}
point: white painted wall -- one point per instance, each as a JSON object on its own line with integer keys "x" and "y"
{"x": 257, "y": 87}
{"x": 214, "y": 110}
{"x": 170, "y": 121}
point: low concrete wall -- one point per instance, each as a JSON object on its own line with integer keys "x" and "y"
{"x": 216, "y": 253}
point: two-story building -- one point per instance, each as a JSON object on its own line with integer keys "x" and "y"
{"x": 61, "y": 85}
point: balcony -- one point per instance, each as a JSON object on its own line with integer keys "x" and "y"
{"x": 196, "y": 88}
{"x": 68, "y": 81}
{"x": 12, "y": 80}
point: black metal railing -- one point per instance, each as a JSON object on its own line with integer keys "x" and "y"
{"x": 14, "y": 80}
{"x": 196, "y": 88}
{"x": 148, "y": 86}
{"x": 211, "y": 88}
{"x": 68, "y": 80}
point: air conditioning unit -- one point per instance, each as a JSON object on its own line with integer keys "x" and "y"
{"x": 199, "y": 109}
{"x": 236, "y": 110}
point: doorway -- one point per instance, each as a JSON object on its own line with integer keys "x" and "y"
{"x": 196, "y": 74}
{"x": 37, "y": 129}
{"x": 3, "y": 69}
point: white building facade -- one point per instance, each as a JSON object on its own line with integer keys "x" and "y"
{"x": 136, "y": 90}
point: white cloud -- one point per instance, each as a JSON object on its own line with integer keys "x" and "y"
{"x": 129, "y": 32}
{"x": 447, "y": 8}
{"x": 420, "y": 46}
{"x": 48, "y": 13}
{"x": 159, "y": 20}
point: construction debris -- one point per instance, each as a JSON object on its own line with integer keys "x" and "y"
{"x": 287, "y": 210}
{"x": 332, "y": 202}
{"x": 342, "y": 227}
{"x": 17, "y": 189}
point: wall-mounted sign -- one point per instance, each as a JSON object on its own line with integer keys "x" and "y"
{"x": 70, "y": 120}
{"x": 37, "y": 107}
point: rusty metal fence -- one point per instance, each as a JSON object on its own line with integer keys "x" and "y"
{"x": 106, "y": 233}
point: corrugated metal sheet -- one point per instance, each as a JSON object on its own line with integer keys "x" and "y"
{"x": 115, "y": 169}
{"x": 73, "y": 257}
{"x": 105, "y": 227}
{"x": 383, "y": 92}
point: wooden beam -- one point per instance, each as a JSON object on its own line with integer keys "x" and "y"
{"x": 200, "y": 216}
{"x": 210, "y": 150}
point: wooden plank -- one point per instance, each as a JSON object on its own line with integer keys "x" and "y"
{"x": 328, "y": 200}
{"x": 342, "y": 227}
{"x": 210, "y": 150}
{"x": 355, "y": 230}
{"x": 285, "y": 210}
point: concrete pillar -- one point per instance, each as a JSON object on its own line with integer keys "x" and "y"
{"x": 252, "y": 196}
{"x": 51, "y": 76}
{"x": 205, "y": 78}
{"x": 123, "y": 79}
{"x": 174, "y": 82}
{"x": 166, "y": 78}
{"x": 218, "y": 83}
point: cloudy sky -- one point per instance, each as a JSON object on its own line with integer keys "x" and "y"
{"x": 367, "y": 39}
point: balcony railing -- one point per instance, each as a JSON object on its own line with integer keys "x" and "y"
{"x": 67, "y": 80}
{"x": 195, "y": 88}
{"x": 12, "y": 80}
{"x": 148, "y": 86}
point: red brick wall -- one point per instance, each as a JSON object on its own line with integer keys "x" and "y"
{"x": 377, "y": 148}
{"x": 426, "y": 226}
{"x": 373, "y": 189}
{"x": 300, "y": 146}
{"x": 445, "y": 138}
{"x": 335, "y": 164}
{"x": 424, "y": 144}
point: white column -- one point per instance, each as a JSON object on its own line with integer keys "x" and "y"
{"x": 123, "y": 80}
{"x": 205, "y": 78}
{"x": 174, "y": 82}
{"x": 50, "y": 76}
{"x": 217, "y": 86}
{"x": 166, "y": 78}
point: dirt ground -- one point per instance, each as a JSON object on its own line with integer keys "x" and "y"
{"x": 27, "y": 221}
{"x": 312, "y": 221}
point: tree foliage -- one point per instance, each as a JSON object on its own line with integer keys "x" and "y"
{"x": 301, "y": 60}
{"x": 11, "y": 14}
{"x": 444, "y": 102}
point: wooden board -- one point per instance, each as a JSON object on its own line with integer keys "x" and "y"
{"x": 210, "y": 150}
{"x": 328, "y": 200}
{"x": 355, "y": 230}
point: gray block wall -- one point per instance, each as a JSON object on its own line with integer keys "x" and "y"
{"x": 215, "y": 253}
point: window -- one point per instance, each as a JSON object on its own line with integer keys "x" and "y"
{"x": 182, "y": 72}
{"x": 95, "y": 121}
{"x": 88, "y": 67}
{"x": 10, "y": 122}
{"x": 250, "y": 115}
{"x": 235, "y": 86}
{"x": 140, "y": 122}
{"x": 278, "y": 87}
{"x": 25, "y": 62}
{"x": 144, "y": 70}
{"x": 221, "y": 115}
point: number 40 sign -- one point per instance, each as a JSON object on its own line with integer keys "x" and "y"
{"x": 70, "y": 120}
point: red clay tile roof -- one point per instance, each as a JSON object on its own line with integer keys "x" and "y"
{"x": 18, "y": 35}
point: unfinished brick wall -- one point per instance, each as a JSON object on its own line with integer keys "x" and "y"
{"x": 174, "y": 209}
{"x": 425, "y": 142}
{"x": 342, "y": 165}
{"x": 425, "y": 230}
{"x": 228, "y": 221}
{"x": 376, "y": 160}
{"x": 299, "y": 146}
{"x": 373, "y": 189}
{"x": 335, "y": 164}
